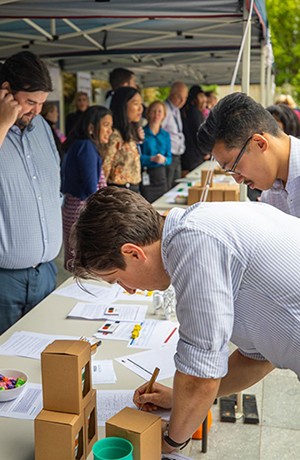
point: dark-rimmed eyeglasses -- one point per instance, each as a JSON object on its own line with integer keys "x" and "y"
{"x": 238, "y": 158}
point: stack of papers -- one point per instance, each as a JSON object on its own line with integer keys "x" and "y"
{"x": 30, "y": 344}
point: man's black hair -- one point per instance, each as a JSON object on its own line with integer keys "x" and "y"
{"x": 25, "y": 71}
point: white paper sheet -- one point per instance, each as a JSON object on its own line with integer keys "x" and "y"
{"x": 103, "y": 371}
{"x": 137, "y": 297}
{"x": 93, "y": 311}
{"x": 144, "y": 363}
{"x": 26, "y": 406}
{"x": 175, "y": 457}
{"x": 29, "y": 344}
{"x": 109, "y": 403}
{"x": 153, "y": 334}
{"x": 102, "y": 294}
{"x": 123, "y": 332}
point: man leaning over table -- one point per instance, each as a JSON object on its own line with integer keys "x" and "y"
{"x": 30, "y": 212}
{"x": 235, "y": 269}
{"x": 248, "y": 143}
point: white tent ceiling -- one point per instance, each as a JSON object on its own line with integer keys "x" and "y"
{"x": 197, "y": 41}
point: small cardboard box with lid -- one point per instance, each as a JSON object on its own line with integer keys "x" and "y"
{"x": 142, "y": 429}
{"x": 66, "y": 376}
{"x": 59, "y": 436}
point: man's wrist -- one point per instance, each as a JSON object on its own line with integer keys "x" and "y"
{"x": 171, "y": 442}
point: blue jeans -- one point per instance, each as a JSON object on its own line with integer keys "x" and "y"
{"x": 22, "y": 289}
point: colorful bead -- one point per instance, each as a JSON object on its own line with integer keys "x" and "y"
{"x": 9, "y": 383}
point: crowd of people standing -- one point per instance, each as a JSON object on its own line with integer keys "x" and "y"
{"x": 57, "y": 173}
{"x": 221, "y": 258}
{"x": 121, "y": 144}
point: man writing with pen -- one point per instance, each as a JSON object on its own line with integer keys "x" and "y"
{"x": 235, "y": 270}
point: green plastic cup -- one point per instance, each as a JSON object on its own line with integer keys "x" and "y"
{"x": 113, "y": 448}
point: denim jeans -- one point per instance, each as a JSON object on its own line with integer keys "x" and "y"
{"x": 22, "y": 289}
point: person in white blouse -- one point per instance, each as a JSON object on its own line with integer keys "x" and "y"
{"x": 247, "y": 142}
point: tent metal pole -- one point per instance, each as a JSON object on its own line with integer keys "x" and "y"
{"x": 269, "y": 100}
{"x": 53, "y": 27}
{"x": 263, "y": 74}
{"x": 247, "y": 25}
{"x": 38, "y": 28}
{"x": 246, "y": 50}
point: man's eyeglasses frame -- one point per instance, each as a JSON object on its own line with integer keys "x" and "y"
{"x": 238, "y": 158}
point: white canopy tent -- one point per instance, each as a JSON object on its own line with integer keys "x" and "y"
{"x": 197, "y": 41}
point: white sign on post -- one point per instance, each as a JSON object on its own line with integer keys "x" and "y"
{"x": 84, "y": 83}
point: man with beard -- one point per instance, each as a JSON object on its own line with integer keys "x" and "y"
{"x": 30, "y": 215}
{"x": 247, "y": 142}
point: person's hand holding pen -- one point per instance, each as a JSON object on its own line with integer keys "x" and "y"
{"x": 160, "y": 397}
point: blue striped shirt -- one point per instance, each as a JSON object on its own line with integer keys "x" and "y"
{"x": 287, "y": 198}
{"x": 173, "y": 125}
{"x": 30, "y": 208}
{"x": 235, "y": 269}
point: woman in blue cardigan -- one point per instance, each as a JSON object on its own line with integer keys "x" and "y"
{"x": 82, "y": 172}
{"x": 156, "y": 153}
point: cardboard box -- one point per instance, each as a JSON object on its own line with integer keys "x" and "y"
{"x": 217, "y": 192}
{"x": 217, "y": 172}
{"x": 66, "y": 375}
{"x": 90, "y": 423}
{"x": 142, "y": 429}
{"x": 59, "y": 436}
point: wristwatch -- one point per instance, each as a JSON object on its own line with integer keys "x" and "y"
{"x": 176, "y": 445}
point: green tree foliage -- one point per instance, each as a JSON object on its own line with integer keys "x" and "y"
{"x": 284, "y": 20}
{"x": 69, "y": 85}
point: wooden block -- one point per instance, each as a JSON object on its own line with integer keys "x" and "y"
{"x": 231, "y": 195}
{"x": 217, "y": 192}
{"x": 217, "y": 195}
{"x": 194, "y": 195}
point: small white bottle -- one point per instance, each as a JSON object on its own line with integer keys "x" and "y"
{"x": 169, "y": 302}
{"x": 157, "y": 301}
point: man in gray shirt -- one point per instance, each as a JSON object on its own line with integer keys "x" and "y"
{"x": 30, "y": 213}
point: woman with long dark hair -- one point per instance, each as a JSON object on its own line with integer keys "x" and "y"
{"x": 286, "y": 119}
{"x": 121, "y": 157}
{"x": 50, "y": 113}
{"x": 192, "y": 117}
{"x": 82, "y": 172}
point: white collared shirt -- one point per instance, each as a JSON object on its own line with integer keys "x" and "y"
{"x": 235, "y": 270}
{"x": 287, "y": 198}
